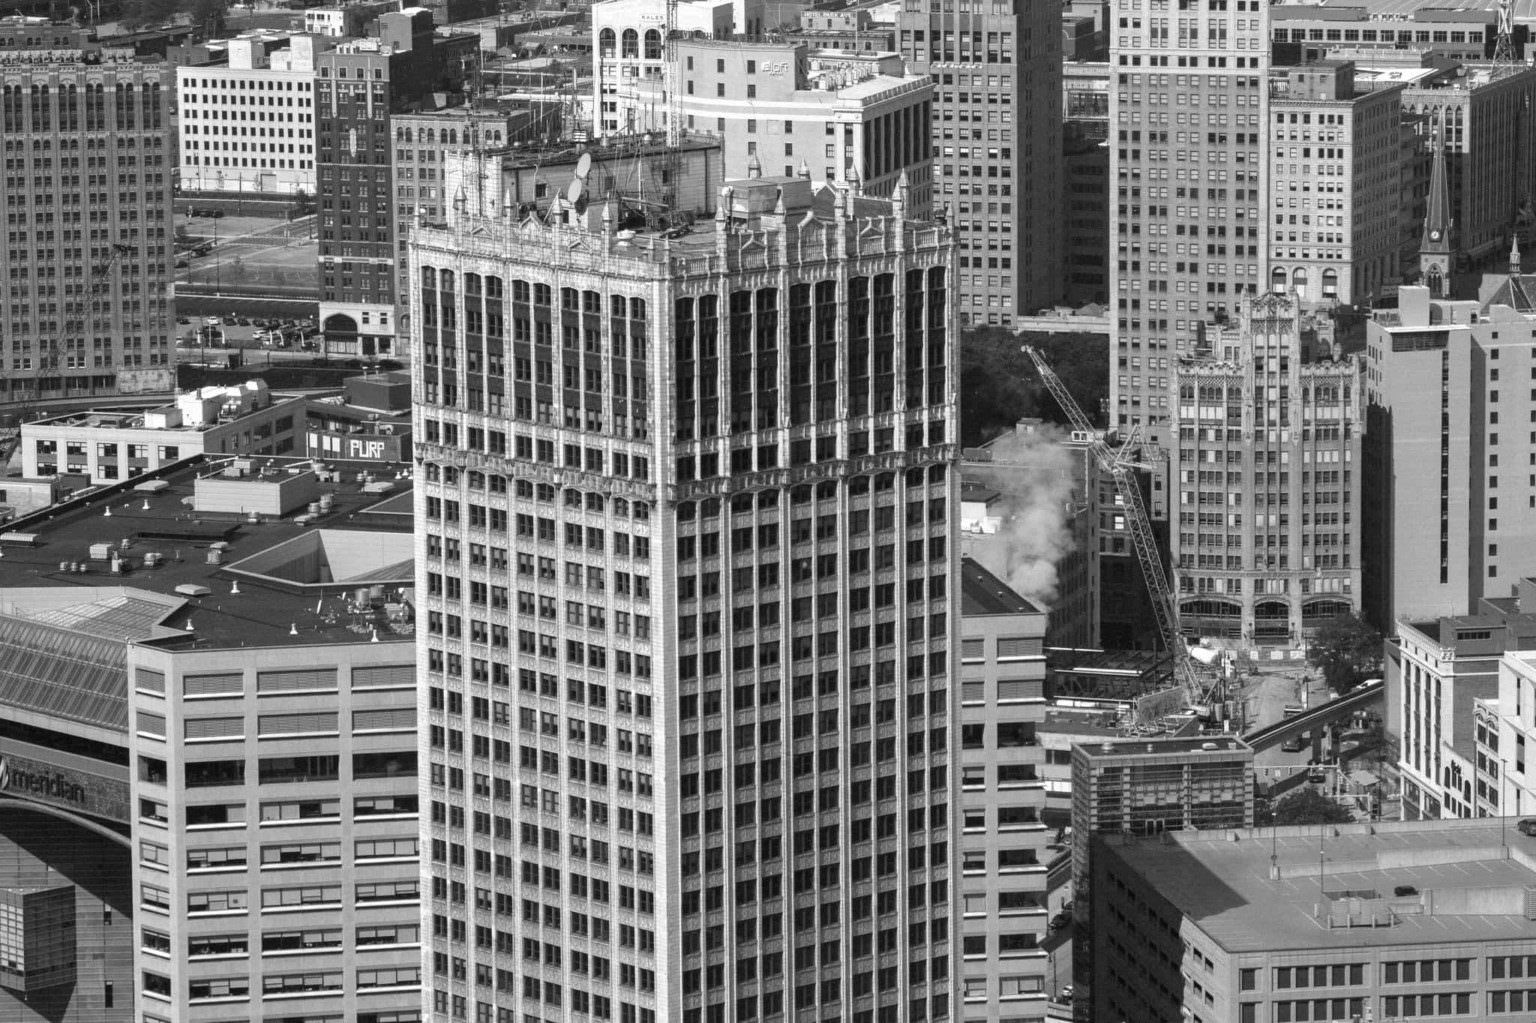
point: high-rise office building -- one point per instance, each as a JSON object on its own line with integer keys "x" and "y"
{"x": 1189, "y": 113}
{"x": 358, "y": 85}
{"x": 1085, "y": 170}
{"x": 1336, "y": 183}
{"x": 422, "y": 139}
{"x": 688, "y": 582}
{"x": 1004, "y": 838}
{"x": 996, "y": 147}
{"x": 1446, "y": 446}
{"x": 84, "y": 305}
{"x": 221, "y": 150}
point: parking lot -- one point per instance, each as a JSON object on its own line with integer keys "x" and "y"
{"x": 301, "y": 339}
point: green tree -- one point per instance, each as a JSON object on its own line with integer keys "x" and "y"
{"x": 999, "y": 384}
{"x": 303, "y": 205}
{"x": 208, "y": 17}
{"x": 1308, "y": 806}
{"x": 1346, "y": 650}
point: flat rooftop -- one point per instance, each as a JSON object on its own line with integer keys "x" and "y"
{"x": 342, "y": 577}
{"x": 1110, "y": 662}
{"x": 1411, "y": 10}
{"x": 1161, "y": 747}
{"x": 982, "y": 593}
{"x": 1469, "y": 885}
{"x": 132, "y": 418}
{"x": 1068, "y": 721}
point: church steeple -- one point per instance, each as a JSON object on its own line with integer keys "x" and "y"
{"x": 1435, "y": 244}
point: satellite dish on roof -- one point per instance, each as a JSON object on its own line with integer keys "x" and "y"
{"x": 576, "y": 191}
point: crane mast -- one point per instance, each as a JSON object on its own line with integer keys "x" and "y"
{"x": 1121, "y": 469}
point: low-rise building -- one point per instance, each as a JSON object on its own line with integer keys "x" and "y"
{"x": 349, "y": 20}
{"x": 1377, "y": 920}
{"x": 109, "y": 445}
{"x": 1142, "y": 787}
{"x": 207, "y": 731}
{"x": 370, "y": 421}
{"x": 1444, "y": 667}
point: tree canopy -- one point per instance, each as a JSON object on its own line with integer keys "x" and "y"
{"x": 1306, "y": 805}
{"x": 1346, "y": 650}
{"x": 205, "y": 16}
{"x": 999, "y": 385}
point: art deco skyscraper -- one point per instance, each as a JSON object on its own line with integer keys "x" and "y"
{"x": 1188, "y": 160}
{"x": 687, "y": 581}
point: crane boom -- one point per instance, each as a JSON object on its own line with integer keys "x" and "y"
{"x": 1120, "y": 468}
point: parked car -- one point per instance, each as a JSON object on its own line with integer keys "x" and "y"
{"x": 1527, "y": 826}
{"x": 1292, "y": 745}
{"x": 1317, "y": 774}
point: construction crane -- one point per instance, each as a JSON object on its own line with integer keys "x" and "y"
{"x": 1121, "y": 468}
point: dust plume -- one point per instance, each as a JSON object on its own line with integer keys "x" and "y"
{"x": 1034, "y": 531}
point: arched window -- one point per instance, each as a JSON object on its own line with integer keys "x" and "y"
{"x": 1331, "y": 283}
{"x": 652, "y": 44}
{"x": 1277, "y": 280}
{"x": 631, "y": 43}
{"x": 1299, "y": 278}
{"x": 606, "y": 42}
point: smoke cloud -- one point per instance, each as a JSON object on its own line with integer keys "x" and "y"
{"x": 1034, "y": 530}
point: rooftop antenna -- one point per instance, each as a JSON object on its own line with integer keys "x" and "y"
{"x": 1503, "y": 47}
{"x": 674, "y": 109}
